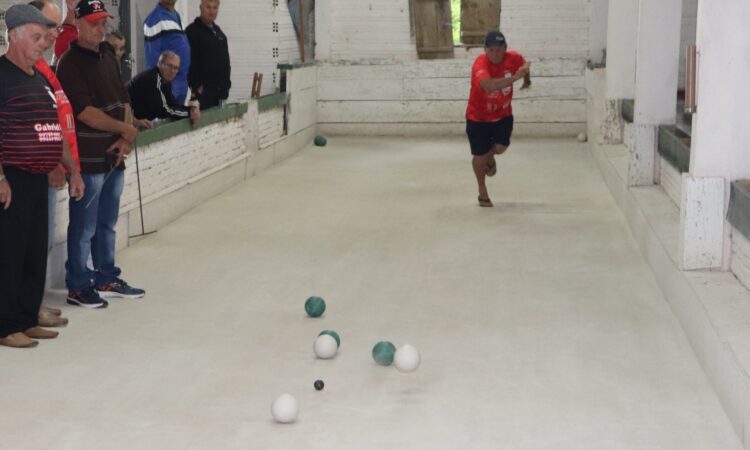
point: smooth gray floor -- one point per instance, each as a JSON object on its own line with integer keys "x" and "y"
{"x": 540, "y": 325}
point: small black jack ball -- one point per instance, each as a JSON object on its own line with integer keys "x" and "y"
{"x": 319, "y": 385}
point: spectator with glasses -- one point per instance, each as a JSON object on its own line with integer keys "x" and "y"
{"x": 151, "y": 92}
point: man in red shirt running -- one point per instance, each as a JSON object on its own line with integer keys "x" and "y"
{"x": 489, "y": 116}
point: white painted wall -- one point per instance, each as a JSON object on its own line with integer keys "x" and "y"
{"x": 364, "y": 30}
{"x": 599, "y": 10}
{"x": 621, "y": 44}
{"x": 357, "y": 30}
{"x": 687, "y": 35}
{"x": 430, "y": 97}
{"x": 373, "y": 83}
{"x": 657, "y": 61}
{"x": 547, "y": 28}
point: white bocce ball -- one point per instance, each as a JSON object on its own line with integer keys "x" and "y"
{"x": 582, "y": 137}
{"x": 285, "y": 408}
{"x": 325, "y": 346}
{"x": 406, "y": 358}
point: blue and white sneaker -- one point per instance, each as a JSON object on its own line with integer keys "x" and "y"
{"x": 119, "y": 288}
{"x": 88, "y": 298}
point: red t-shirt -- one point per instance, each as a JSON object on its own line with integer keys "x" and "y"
{"x": 62, "y": 44}
{"x": 492, "y": 106}
{"x": 64, "y": 108}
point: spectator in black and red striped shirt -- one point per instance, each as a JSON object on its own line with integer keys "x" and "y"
{"x": 30, "y": 147}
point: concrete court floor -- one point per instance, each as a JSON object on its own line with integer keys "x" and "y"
{"x": 539, "y": 324}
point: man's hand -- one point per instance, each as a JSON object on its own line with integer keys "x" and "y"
{"x": 195, "y": 116}
{"x": 130, "y": 134}
{"x": 123, "y": 148}
{"x": 56, "y": 178}
{"x": 77, "y": 187}
{"x": 5, "y": 194}
{"x": 521, "y": 72}
{"x": 143, "y": 123}
{"x": 526, "y": 82}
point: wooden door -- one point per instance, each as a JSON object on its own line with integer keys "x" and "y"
{"x": 477, "y": 18}
{"x": 433, "y": 28}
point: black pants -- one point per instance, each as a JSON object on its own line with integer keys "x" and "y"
{"x": 210, "y": 97}
{"x": 23, "y": 251}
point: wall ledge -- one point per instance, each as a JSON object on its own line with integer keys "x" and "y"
{"x": 168, "y": 129}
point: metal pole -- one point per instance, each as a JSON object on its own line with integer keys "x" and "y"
{"x": 690, "y": 80}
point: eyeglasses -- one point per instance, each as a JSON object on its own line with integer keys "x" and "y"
{"x": 170, "y": 66}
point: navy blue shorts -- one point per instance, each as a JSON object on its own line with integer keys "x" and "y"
{"x": 484, "y": 135}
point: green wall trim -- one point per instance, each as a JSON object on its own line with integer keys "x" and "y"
{"x": 628, "y": 109}
{"x": 287, "y": 66}
{"x": 739, "y": 206}
{"x": 270, "y": 101}
{"x": 166, "y": 130}
{"x": 674, "y": 147}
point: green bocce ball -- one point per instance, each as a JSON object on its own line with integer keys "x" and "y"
{"x": 383, "y": 353}
{"x": 320, "y": 141}
{"x": 315, "y": 306}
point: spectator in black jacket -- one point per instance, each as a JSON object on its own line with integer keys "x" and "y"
{"x": 151, "y": 92}
{"x": 209, "y": 75}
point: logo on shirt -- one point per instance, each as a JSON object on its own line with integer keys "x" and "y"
{"x": 52, "y": 96}
{"x": 509, "y": 89}
{"x": 48, "y": 132}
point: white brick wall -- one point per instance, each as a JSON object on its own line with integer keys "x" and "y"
{"x": 249, "y": 28}
{"x": 538, "y": 28}
{"x": 170, "y": 164}
{"x": 270, "y": 127}
{"x": 547, "y": 28}
{"x": 431, "y": 96}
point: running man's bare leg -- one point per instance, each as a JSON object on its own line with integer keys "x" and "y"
{"x": 480, "y": 164}
{"x": 499, "y": 149}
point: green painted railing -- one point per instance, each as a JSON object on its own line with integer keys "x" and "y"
{"x": 168, "y": 129}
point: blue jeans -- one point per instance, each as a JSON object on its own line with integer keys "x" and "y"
{"x": 92, "y": 232}
{"x": 51, "y": 208}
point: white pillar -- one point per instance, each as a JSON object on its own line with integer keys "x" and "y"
{"x": 597, "y": 29}
{"x": 622, "y": 20}
{"x": 720, "y": 134}
{"x": 621, "y": 28}
{"x": 656, "y": 72}
{"x": 323, "y": 30}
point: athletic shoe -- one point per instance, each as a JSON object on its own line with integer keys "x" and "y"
{"x": 119, "y": 288}
{"x": 88, "y": 298}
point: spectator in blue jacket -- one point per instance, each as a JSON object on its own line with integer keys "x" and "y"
{"x": 162, "y": 31}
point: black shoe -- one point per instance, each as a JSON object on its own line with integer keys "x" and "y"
{"x": 119, "y": 288}
{"x": 88, "y": 298}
